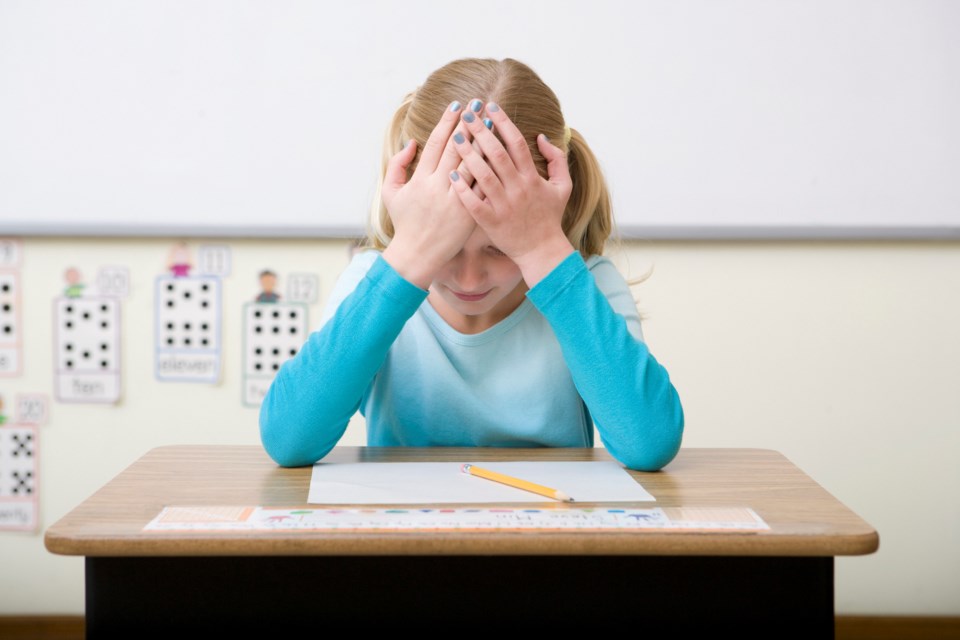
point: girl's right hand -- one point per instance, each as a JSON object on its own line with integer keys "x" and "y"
{"x": 430, "y": 223}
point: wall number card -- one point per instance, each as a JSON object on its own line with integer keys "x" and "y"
{"x": 18, "y": 478}
{"x": 188, "y": 318}
{"x": 31, "y": 409}
{"x": 87, "y": 349}
{"x": 10, "y": 325}
{"x": 303, "y": 287}
{"x": 273, "y": 332}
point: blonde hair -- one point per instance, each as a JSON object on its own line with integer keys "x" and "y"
{"x": 534, "y": 109}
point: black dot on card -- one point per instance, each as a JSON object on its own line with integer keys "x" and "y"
{"x": 258, "y": 351}
{"x": 69, "y": 364}
{"x": 86, "y": 315}
{"x": 276, "y": 314}
{"x": 204, "y": 341}
{"x": 257, "y": 314}
{"x": 170, "y": 304}
{"x": 68, "y": 308}
{"x": 86, "y": 355}
{"x": 293, "y": 352}
{"x": 258, "y": 329}
{"x": 104, "y": 364}
{"x": 204, "y": 326}
{"x": 186, "y": 342}
{"x": 186, "y": 326}
{"x": 170, "y": 326}
{"x": 276, "y": 329}
{"x": 293, "y": 315}
{"x": 205, "y": 287}
{"x": 104, "y": 346}
{"x": 204, "y": 304}
{"x": 104, "y": 308}
{"x": 7, "y": 329}
{"x": 257, "y": 366}
{"x": 6, "y": 288}
{"x": 68, "y": 325}
{"x": 169, "y": 287}
{"x": 6, "y": 308}
{"x": 293, "y": 331}
{"x": 186, "y": 295}
{"x": 275, "y": 366}
{"x": 170, "y": 341}
{"x": 276, "y": 351}
{"x": 104, "y": 324}
{"x": 69, "y": 347}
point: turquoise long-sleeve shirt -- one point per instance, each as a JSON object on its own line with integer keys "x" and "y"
{"x": 569, "y": 358}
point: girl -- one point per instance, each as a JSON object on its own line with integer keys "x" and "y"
{"x": 482, "y": 313}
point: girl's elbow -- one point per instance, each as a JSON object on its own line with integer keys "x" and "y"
{"x": 285, "y": 445}
{"x": 658, "y": 449}
{"x": 652, "y": 459}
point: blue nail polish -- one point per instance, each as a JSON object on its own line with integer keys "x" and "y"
{"x": 455, "y": 106}
{"x": 468, "y": 117}
{"x": 488, "y": 122}
{"x": 458, "y": 138}
{"x": 493, "y": 106}
{"x": 454, "y": 176}
{"x": 475, "y": 106}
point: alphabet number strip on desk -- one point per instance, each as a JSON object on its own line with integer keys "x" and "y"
{"x": 227, "y": 518}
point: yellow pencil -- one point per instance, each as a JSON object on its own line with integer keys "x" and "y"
{"x": 517, "y": 483}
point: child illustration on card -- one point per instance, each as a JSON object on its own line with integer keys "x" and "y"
{"x": 179, "y": 261}
{"x": 268, "y": 286}
{"x": 3, "y": 418}
{"x": 75, "y": 286}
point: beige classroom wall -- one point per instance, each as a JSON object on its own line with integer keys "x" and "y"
{"x": 844, "y": 356}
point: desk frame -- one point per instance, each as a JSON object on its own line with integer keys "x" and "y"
{"x": 291, "y": 594}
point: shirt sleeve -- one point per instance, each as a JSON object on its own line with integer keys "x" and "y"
{"x": 629, "y": 394}
{"x": 315, "y": 393}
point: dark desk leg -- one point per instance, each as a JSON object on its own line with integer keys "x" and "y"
{"x": 748, "y": 596}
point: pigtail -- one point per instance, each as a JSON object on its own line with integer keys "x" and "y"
{"x": 379, "y": 226}
{"x": 588, "y": 219}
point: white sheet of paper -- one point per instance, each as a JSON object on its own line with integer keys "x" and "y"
{"x": 444, "y": 482}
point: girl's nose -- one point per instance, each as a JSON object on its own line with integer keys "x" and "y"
{"x": 471, "y": 273}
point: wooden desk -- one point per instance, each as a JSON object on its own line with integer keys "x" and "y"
{"x": 776, "y": 583}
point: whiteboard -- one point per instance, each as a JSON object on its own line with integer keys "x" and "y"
{"x": 711, "y": 118}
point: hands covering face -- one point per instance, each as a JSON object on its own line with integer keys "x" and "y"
{"x": 518, "y": 209}
{"x": 467, "y": 177}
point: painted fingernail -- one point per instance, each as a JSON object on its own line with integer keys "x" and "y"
{"x": 455, "y": 106}
{"x": 545, "y": 137}
{"x": 454, "y": 176}
{"x": 469, "y": 117}
{"x": 488, "y": 122}
{"x": 493, "y": 106}
{"x": 475, "y": 106}
{"x": 458, "y": 137}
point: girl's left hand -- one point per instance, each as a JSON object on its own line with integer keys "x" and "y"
{"x": 520, "y": 211}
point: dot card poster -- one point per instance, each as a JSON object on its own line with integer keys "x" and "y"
{"x": 10, "y": 325}
{"x": 273, "y": 332}
{"x": 18, "y": 477}
{"x": 86, "y": 344}
{"x": 188, "y": 324}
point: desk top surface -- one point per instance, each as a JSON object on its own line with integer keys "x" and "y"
{"x": 804, "y": 519}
